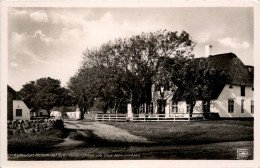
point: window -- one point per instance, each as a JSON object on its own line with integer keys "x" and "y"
{"x": 230, "y": 105}
{"x": 242, "y": 90}
{"x": 252, "y": 106}
{"x": 230, "y": 87}
{"x": 242, "y": 106}
{"x": 175, "y": 107}
{"x": 18, "y": 112}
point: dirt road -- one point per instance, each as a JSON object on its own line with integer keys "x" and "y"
{"x": 107, "y": 133}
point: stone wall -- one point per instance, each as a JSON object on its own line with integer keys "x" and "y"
{"x": 34, "y": 126}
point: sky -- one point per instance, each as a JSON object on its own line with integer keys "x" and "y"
{"x": 49, "y": 42}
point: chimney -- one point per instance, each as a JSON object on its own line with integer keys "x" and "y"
{"x": 208, "y": 50}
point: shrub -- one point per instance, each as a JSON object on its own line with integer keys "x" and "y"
{"x": 58, "y": 124}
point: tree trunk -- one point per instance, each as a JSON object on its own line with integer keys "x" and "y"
{"x": 81, "y": 114}
{"x": 192, "y": 105}
{"x": 49, "y": 112}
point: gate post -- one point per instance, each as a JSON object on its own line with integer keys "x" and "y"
{"x": 129, "y": 112}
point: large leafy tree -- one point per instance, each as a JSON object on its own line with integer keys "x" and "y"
{"x": 28, "y": 93}
{"x": 125, "y": 68}
{"x": 45, "y": 93}
{"x": 194, "y": 78}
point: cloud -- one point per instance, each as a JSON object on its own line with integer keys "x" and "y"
{"x": 17, "y": 38}
{"x": 39, "y": 16}
{"x": 14, "y": 11}
{"x": 42, "y": 36}
{"x": 13, "y": 64}
{"x": 203, "y": 37}
{"x": 234, "y": 43}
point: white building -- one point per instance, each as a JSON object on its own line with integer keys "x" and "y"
{"x": 72, "y": 112}
{"x": 233, "y": 99}
{"x": 56, "y": 113}
{"x": 16, "y": 107}
{"x": 20, "y": 110}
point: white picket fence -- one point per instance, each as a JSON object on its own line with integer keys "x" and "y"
{"x": 148, "y": 117}
{"x": 111, "y": 117}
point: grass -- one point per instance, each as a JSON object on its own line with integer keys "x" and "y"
{"x": 28, "y": 143}
{"x": 190, "y": 132}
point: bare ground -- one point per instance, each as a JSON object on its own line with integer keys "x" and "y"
{"x": 107, "y": 133}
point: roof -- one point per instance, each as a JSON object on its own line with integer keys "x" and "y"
{"x": 65, "y": 109}
{"x": 10, "y": 90}
{"x": 235, "y": 71}
{"x": 16, "y": 95}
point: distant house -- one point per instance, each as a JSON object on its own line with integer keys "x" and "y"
{"x": 233, "y": 99}
{"x": 71, "y": 112}
{"x": 16, "y": 107}
{"x": 56, "y": 113}
{"x": 42, "y": 112}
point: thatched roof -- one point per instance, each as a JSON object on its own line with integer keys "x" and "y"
{"x": 236, "y": 72}
{"x": 16, "y": 96}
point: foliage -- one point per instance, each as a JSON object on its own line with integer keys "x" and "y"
{"x": 124, "y": 70}
{"x": 194, "y": 78}
{"x": 58, "y": 124}
{"x": 45, "y": 93}
{"x": 199, "y": 80}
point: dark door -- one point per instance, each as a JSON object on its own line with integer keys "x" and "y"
{"x": 161, "y": 106}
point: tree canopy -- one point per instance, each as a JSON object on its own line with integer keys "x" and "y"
{"x": 45, "y": 93}
{"x": 125, "y": 69}
{"x": 194, "y": 78}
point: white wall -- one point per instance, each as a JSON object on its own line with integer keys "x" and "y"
{"x": 56, "y": 114}
{"x": 234, "y": 93}
{"x": 19, "y": 104}
{"x": 167, "y": 96}
{"x": 198, "y": 107}
{"x": 74, "y": 115}
{"x": 214, "y": 106}
{"x": 182, "y": 107}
